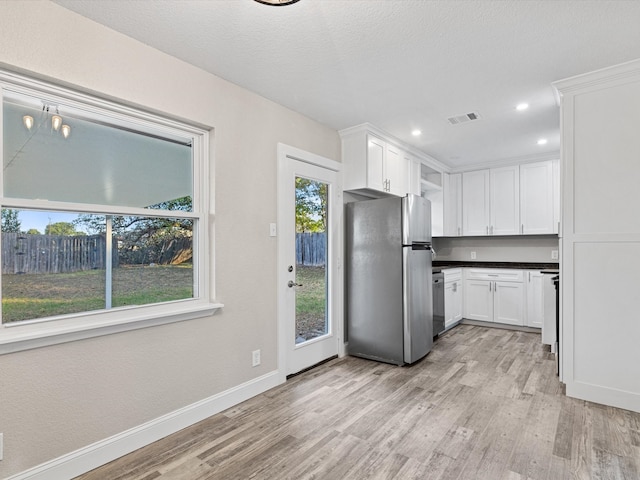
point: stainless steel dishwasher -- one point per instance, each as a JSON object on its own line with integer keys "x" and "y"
{"x": 438, "y": 303}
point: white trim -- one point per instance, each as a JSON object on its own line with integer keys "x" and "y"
{"x": 424, "y": 158}
{"x": 604, "y": 395}
{"x": 285, "y": 152}
{"x": 18, "y": 337}
{"x": 65, "y": 328}
{"x": 507, "y": 162}
{"x": 97, "y": 454}
{"x": 609, "y": 76}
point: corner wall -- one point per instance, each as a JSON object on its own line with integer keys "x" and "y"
{"x": 64, "y": 397}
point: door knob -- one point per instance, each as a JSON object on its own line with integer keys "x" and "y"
{"x": 292, "y": 284}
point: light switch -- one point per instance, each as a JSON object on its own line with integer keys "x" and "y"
{"x": 273, "y": 231}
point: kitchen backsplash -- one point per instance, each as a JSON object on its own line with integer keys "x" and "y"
{"x": 537, "y": 248}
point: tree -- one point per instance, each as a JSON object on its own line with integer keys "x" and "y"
{"x": 33, "y": 231}
{"x": 10, "y": 221}
{"x": 311, "y": 205}
{"x": 142, "y": 239}
{"x": 61, "y": 228}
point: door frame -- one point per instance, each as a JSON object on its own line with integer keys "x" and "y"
{"x": 335, "y": 260}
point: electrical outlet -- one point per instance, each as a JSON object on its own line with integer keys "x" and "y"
{"x": 473, "y": 255}
{"x": 554, "y": 254}
{"x": 273, "y": 230}
{"x": 255, "y": 358}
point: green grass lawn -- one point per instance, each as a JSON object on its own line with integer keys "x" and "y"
{"x": 32, "y": 296}
{"x": 311, "y": 300}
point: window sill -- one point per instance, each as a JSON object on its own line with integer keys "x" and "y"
{"x": 16, "y": 338}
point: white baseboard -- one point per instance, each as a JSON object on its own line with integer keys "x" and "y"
{"x": 604, "y": 395}
{"x": 92, "y": 456}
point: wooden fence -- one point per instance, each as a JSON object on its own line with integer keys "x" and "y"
{"x": 311, "y": 249}
{"x": 23, "y": 253}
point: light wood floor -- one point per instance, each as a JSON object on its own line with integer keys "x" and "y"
{"x": 484, "y": 404}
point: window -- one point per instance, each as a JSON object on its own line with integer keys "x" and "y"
{"x": 104, "y": 213}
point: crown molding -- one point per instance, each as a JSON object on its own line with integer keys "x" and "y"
{"x": 387, "y": 137}
{"x": 622, "y": 73}
{"x": 505, "y": 162}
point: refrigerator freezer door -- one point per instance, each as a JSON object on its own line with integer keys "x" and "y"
{"x": 416, "y": 220}
{"x": 418, "y": 303}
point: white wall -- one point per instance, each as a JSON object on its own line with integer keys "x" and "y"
{"x": 601, "y": 236}
{"x": 60, "y": 398}
{"x": 497, "y": 249}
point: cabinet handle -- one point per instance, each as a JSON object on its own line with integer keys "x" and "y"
{"x": 529, "y": 277}
{"x": 495, "y": 286}
{"x": 490, "y": 285}
{"x": 522, "y": 228}
{"x": 491, "y": 229}
{"x": 487, "y": 229}
{"x": 458, "y": 231}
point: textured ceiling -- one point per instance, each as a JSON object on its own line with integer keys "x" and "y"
{"x": 397, "y": 64}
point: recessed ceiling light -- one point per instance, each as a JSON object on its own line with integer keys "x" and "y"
{"x": 522, "y": 106}
{"x": 542, "y": 141}
{"x": 416, "y": 132}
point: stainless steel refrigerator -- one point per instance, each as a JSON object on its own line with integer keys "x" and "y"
{"x": 388, "y": 277}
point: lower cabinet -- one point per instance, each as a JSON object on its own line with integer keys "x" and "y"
{"x": 453, "y": 299}
{"x": 493, "y": 295}
{"x": 535, "y": 298}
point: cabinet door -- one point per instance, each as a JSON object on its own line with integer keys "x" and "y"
{"x": 395, "y": 171}
{"x": 504, "y": 201}
{"x": 535, "y": 299}
{"x": 414, "y": 174}
{"x": 509, "y": 302}
{"x": 478, "y": 300}
{"x": 536, "y": 198}
{"x": 375, "y": 163}
{"x": 449, "y": 304}
{"x": 457, "y": 301}
{"x": 452, "y": 190}
{"x": 475, "y": 203}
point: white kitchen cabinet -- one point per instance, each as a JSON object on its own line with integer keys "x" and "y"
{"x": 374, "y": 163}
{"x": 508, "y": 303}
{"x": 373, "y": 166}
{"x": 395, "y": 171}
{"x": 414, "y": 174}
{"x": 478, "y": 300}
{"x": 504, "y": 203}
{"x": 475, "y": 203}
{"x": 491, "y": 202}
{"x": 494, "y": 295}
{"x": 535, "y": 298}
{"x": 452, "y": 194}
{"x": 453, "y": 296}
{"x": 537, "y": 198}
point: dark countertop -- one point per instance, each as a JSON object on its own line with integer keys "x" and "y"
{"x": 439, "y": 265}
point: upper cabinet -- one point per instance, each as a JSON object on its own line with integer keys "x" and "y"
{"x": 491, "y": 202}
{"x": 537, "y": 198}
{"x": 452, "y": 193}
{"x": 513, "y": 200}
{"x": 475, "y": 203}
{"x": 373, "y": 165}
{"x": 376, "y": 164}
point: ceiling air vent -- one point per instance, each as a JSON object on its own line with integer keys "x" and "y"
{"x": 466, "y": 117}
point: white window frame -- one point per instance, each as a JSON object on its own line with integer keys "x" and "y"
{"x": 65, "y": 328}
